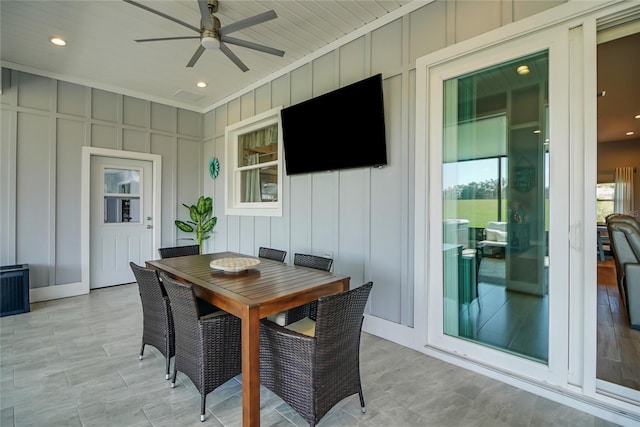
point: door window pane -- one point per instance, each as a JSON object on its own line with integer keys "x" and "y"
{"x": 495, "y": 207}
{"x": 121, "y": 195}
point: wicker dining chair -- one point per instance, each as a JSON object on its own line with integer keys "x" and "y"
{"x": 175, "y": 251}
{"x": 270, "y": 253}
{"x": 157, "y": 323}
{"x": 308, "y": 310}
{"x": 313, "y": 373}
{"x": 207, "y": 347}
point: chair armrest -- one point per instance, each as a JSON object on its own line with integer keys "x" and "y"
{"x": 632, "y": 291}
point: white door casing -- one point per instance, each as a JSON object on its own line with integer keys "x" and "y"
{"x": 152, "y": 178}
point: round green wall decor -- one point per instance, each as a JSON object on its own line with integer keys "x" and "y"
{"x": 214, "y": 167}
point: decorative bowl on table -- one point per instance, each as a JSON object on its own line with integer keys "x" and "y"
{"x": 234, "y": 265}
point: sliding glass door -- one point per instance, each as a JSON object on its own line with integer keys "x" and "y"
{"x": 498, "y": 188}
{"x": 495, "y": 190}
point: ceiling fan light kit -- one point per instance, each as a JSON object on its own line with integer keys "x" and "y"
{"x": 208, "y": 42}
{"x": 214, "y": 37}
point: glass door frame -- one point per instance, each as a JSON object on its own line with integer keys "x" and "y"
{"x": 556, "y": 41}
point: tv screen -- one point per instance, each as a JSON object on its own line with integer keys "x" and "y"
{"x": 341, "y": 129}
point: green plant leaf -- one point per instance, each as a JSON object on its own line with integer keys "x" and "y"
{"x": 202, "y": 206}
{"x": 208, "y": 206}
{"x": 193, "y": 213}
{"x": 208, "y": 226}
{"x": 184, "y": 226}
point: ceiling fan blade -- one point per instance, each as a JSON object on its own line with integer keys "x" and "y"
{"x": 224, "y": 49}
{"x": 252, "y": 45}
{"x": 199, "y": 51}
{"x": 167, "y": 38}
{"x": 206, "y": 16}
{"x": 244, "y": 23}
{"x": 171, "y": 18}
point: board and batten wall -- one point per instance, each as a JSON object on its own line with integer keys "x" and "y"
{"x": 45, "y": 124}
{"x": 363, "y": 218}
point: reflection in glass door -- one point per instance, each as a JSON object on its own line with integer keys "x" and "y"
{"x": 495, "y": 207}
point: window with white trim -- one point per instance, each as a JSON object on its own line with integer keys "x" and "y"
{"x": 605, "y": 196}
{"x": 253, "y": 183}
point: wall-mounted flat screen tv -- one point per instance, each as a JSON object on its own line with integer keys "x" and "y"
{"x": 342, "y": 129}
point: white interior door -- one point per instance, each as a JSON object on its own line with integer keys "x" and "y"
{"x": 121, "y": 218}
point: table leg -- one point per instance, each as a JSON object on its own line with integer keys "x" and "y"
{"x": 251, "y": 368}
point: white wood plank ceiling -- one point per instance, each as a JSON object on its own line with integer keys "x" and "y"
{"x": 101, "y": 51}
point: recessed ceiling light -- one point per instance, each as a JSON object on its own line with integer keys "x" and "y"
{"x": 629, "y": 133}
{"x": 522, "y": 70}
{"x": 537, "y": 131}
{"x": 58, "y": 41}
{"x": 201, "y": 84}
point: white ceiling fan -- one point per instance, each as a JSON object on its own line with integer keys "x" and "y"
{"x": 212, "y": 35}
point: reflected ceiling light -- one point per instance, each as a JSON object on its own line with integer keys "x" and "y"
{"x": 637, "y": 116}
{"x": 201, "y": 84}
{"x": 537, "y": 131}
{"x": 629, "y": 133}
{"x": 58, "y": 41}
{"x": 522, "y": 70}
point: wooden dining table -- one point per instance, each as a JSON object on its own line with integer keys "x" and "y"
{"x": 267, "y": 288}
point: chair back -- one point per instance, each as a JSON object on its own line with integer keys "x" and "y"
{"x": 157, "y": 319}
{"x": 152, "y": 292}
{"x": 270, "y": 253}
{"x": 337, "y": 334}
{"x": 313, "y": 261}
{"x": 184, "y": 307}
{"x": 176, "y": 251}
{"x": 340, "y": 316}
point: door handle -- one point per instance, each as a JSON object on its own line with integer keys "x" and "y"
{"x": 149, "y": 226}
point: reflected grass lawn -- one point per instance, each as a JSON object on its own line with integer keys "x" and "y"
{"x": 479, "y": 212}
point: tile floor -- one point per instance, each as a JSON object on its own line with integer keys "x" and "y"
{"x": 74, "y": 362}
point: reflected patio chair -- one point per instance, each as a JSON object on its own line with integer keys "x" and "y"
{"x": 314, "y": 365}
{"x": 207, "y": 347}
{"x": 157, "y": 321}
{"x": 176, "y": 251}
{"x": 270, "y": 253}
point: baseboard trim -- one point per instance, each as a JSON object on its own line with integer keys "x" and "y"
{"x": 66, "y": 290}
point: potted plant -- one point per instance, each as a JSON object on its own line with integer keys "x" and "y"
{"x": 202, "y": 221}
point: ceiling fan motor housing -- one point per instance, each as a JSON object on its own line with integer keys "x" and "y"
{"x": 211, "y": 38}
